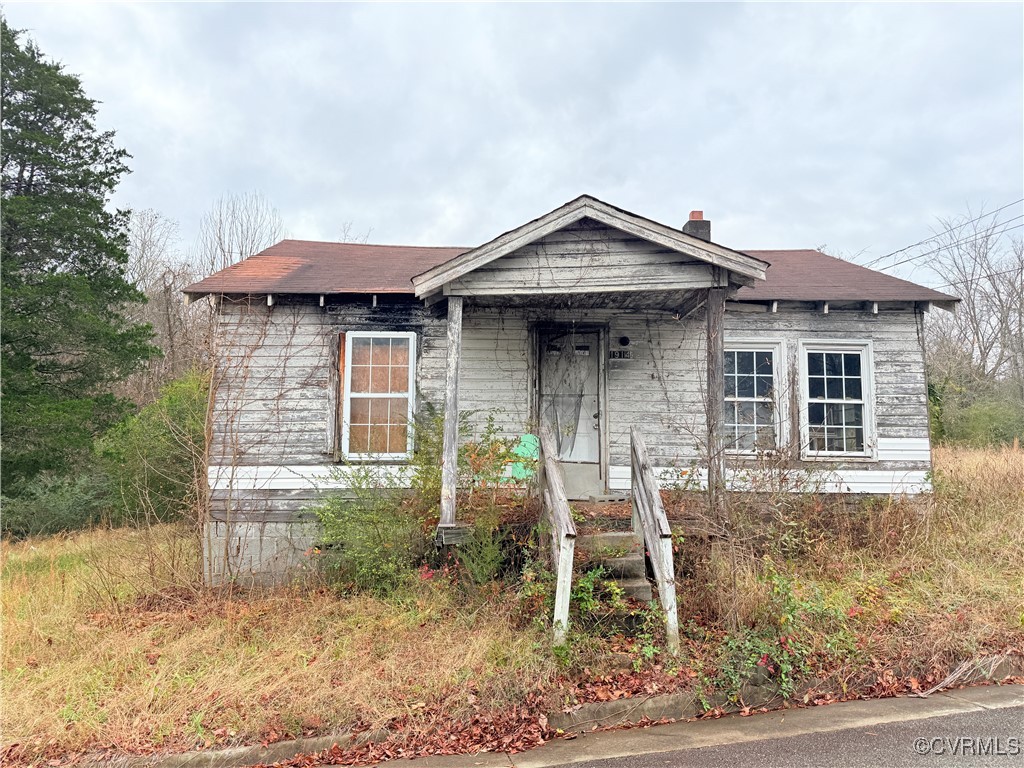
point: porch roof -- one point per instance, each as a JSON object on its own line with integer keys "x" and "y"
{"x": 743, "y": 268}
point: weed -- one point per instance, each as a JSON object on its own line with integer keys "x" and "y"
{"x": 482, "y": 556}
{"x": 372, "y": 541}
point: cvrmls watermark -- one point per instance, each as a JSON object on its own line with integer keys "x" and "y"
{"x": 970, "y": 746}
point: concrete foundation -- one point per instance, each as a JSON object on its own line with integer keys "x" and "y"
{"x": 258, "y": 553}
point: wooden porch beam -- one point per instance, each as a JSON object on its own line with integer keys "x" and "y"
{"x": 715, "y": 394}
{"x": 450, "y": 456}
{"x": 694, "y": 300}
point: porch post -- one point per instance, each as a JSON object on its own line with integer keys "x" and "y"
{"x": 716, "y": 388}
{"x": 449, "y": 464}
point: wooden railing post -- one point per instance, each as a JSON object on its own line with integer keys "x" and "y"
{"x": 563, "y": 533}
{"x": 450, "y": 455}
{"x": 657, "y": 534}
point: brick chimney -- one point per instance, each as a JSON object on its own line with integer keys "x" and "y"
{"x": 698, "y": 227}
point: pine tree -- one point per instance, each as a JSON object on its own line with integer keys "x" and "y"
{"x": 65, "y": 340}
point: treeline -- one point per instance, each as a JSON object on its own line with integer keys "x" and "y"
{"x": 104, "y": 383}
{"x": 975, "y": 356}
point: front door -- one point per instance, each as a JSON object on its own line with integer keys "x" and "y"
{"x": 570, "y": 401}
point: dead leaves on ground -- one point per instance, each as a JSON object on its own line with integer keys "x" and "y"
{"x": 515, "y": 730}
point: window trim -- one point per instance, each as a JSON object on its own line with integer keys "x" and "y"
{"x": 779, "y": 366}
{"x": 347, "y": 395}
{"x": 867, "y": 368}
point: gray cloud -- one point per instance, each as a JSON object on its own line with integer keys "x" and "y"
{"x": 790, "y": 125}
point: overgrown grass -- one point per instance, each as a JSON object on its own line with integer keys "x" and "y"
{"x": 913, "y": 585}
{"x": 104, "y": 648}
{"x": 109, "y": 641}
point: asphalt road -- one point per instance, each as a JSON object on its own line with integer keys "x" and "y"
{"x": 974, "y": 726}
{"x": 897, "y": 744}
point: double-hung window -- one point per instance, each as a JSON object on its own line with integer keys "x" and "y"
{"x": 751, "y": 387}
{"x": 836, "y": 391}
{"x": 379, "y": 386}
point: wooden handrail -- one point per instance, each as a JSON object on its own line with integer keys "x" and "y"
{"x": 649, "y": 513}
{"x": 555, "y": 483}
{"x": 563, "y": 529}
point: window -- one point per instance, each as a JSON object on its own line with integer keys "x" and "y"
{"x": 379, "y": 387}
{"x": 751, "y": 418}
{"x": 836, "y": 391}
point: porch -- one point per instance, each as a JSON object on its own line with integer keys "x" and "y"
{"x": 594, "y": 321}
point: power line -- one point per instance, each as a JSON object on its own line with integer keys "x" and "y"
{"x": 979, "y": 277}
{"x": 966, "y": 240}
{"x": 940, "y": 234}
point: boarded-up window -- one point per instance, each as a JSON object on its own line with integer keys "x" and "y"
{"x": 379, "y": 387}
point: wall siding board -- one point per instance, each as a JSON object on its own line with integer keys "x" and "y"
{"x": 270, "y": 398}
{"x": 271, "y": 395}
{"x": 581, "y": 258}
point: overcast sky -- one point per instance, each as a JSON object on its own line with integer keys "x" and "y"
{"x": 790, "y": 125}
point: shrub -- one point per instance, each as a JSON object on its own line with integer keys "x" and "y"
{"x": 483, "y": 554}
{"x": 49, "y": 504}
{"x": 154, "y": 457}
{"x": 374, "y": 535}
{"x": 372, "y": 538}
{"x": 987, "y": 422}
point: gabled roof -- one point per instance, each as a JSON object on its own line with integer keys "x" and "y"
{"x": 306, "y": 267}
{"x": 587, "y": 207}
{"x": 807, "y": 275}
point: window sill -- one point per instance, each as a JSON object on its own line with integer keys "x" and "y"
{"x": 375, "y": 460}
{"x": 755, "y": 454}
{"x": 860, "y": 458}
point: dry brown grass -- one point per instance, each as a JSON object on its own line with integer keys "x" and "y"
{"x": 100, "y": 652}
{"x": 919, "y": 583}
{"x": 108, "y": 642}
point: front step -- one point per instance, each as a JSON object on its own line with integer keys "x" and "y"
{"x": 623, "y": 557}
{"x": 598, "y": 544}
{"x": 638, "y": 589}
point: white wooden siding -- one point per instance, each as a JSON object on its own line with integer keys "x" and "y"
{"x": 866, "y": 481}
{"x": 582, "y": 258}
{"x": 270, "y": 397}
{"x": 270, "y": 400}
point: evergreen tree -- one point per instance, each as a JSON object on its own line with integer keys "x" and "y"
{"x": 65, "y": 340}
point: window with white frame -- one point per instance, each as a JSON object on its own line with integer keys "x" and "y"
{"x": 380, "y": 382}
{"x": 751, "y": 386}
{"x": 836, "y": 387}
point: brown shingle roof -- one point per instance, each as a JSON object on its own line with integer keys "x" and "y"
{"x": 302, "y": 266}
{"x": 806, "y": 275}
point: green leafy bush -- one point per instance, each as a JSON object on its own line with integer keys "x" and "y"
{"x": 987, "y": 422}
{"x": 375, "y": 535}
{"x": 49, "y": 504}
{"x": 483, "y": 555}
{"x": 372, "y": 537}
{"x": 154, "y": 457}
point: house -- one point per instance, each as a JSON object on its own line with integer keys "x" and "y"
{"x": 590, "y": 318}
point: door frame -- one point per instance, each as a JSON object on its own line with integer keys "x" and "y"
{"x": 535, "y": 331}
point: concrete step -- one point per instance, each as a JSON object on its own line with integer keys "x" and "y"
{"x": 626, "y": 567}
{"x": 638, "y": 588}
{"x": 598, "y": 543}
{"x": 622, "y": 556}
